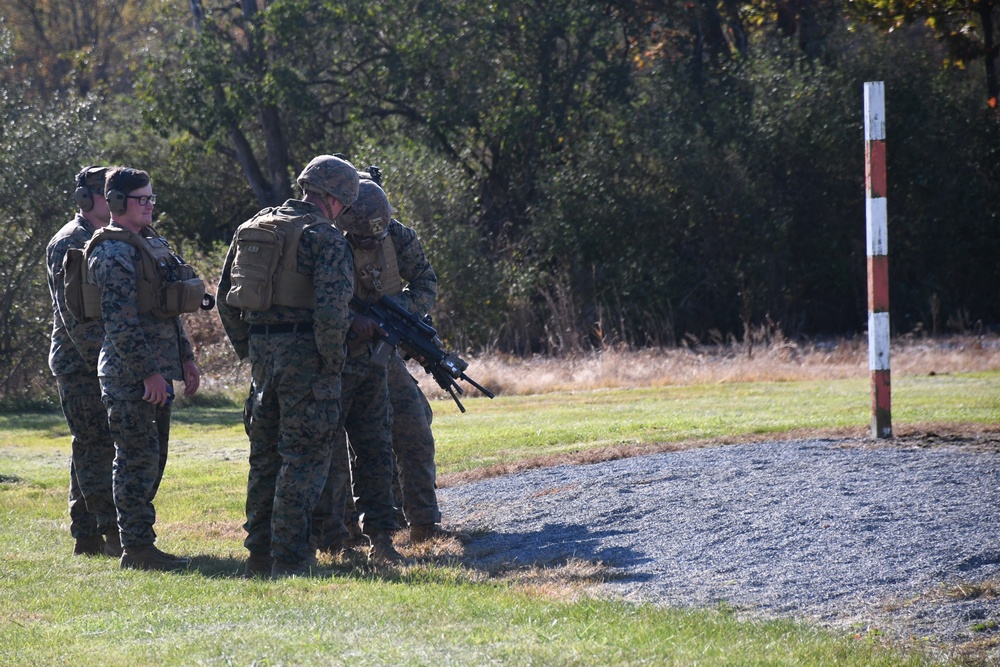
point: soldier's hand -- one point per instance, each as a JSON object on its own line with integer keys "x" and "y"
{"x": 365, "y": 328}
{"x": 192, "y": 378}
{"x": 155, "y": 390}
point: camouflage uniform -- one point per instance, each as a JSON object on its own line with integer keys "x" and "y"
{"x": 73, "y": 361}
{"x": 136, "y": 346}
{"x": 412, "y": 439}
{"x": 402, "y": 405}
{"x": 293, "y": 411}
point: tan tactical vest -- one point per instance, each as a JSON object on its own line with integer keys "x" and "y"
{"x": 375, "y": 273}
{"x": 167, "y": 286}
{"x": 265, "y": 267}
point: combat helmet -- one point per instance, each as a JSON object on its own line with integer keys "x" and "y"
{"x": 369, "y": 215}
{"x": 330, "y": 175}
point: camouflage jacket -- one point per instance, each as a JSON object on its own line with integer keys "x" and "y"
{"x": 420, "y": 292}
{"x": 75, "y": 345}
{"x": 324, "y": 254}
{"x": 135, "y": 346}
{"x": 417, "y": 282}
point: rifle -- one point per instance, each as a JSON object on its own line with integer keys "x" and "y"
{"x": 419, "y": 340}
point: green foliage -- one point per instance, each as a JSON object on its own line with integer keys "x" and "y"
{"x": 582, "y": 175}
{"x": 42, "y": 147}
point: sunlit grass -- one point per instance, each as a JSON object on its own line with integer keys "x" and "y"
{"x": 57, "y": 609}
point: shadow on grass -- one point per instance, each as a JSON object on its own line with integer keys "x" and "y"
{"x": 554, "y": 545}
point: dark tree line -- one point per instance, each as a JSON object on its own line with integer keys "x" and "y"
{"x": 582, "y": 173}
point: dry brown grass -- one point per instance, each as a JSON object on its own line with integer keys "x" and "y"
{"x": 781, "y": 361}
{"x": 776, "y": 360}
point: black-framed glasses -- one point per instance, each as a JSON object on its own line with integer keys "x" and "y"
{"x": 143, "y": 199}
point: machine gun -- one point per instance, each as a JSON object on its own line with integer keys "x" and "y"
{"x": 419, "y": 340}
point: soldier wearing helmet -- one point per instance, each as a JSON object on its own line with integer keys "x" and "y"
{"x": 389, "y": 260}
{"x": 295, "y": 344}
{"x": 73, "y": 361}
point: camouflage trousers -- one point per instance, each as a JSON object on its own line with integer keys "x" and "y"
{"x": 367, "y": 422}
{"x": 413, "y": 445}
{"x": 292, "y": 435}
{"x": 141, "y": 432}
{"x": 91, "y": 505}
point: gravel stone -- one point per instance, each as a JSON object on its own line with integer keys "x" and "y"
{"x": 869, "y": 536}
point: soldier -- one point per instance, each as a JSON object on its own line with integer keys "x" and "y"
{"x": 145, "y": 349}
{"x": 385, "y": 254}
{"x": 291, "y": 318}
{"x": 73, "y": 361}
{"x": 412, "y": 439}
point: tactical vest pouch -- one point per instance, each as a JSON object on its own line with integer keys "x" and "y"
{"x": 167, "y": 286}
{"x": 258, "y": 251}
{"x": 264, "y": 270}
{"x": 83, "y": 298}
{"x": 183, "y": 296}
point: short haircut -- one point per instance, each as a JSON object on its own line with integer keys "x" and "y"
{"x": 125, "y": 180}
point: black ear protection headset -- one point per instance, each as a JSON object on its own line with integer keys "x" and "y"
{"x": 117, "y": 201}
{"x": 88, "y": 181}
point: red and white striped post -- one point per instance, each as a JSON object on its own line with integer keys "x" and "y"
{"x": 878, "y": 258}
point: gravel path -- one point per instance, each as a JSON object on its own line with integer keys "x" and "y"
{"x": 834, "y": 531}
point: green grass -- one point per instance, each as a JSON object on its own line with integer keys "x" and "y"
{"x": 57, "y": 609}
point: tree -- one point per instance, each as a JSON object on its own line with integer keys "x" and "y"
{"x": 85, "y": 46}
{"x": 967, "y": 28}
{"x": 42, "y": 146}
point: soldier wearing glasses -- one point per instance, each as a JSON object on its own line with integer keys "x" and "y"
{"x": 142, "y": 355}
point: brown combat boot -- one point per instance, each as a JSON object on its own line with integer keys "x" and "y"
{"x": 258, "y": 565}
{"x": 381, "y": 551}
{"x": 425, "y": 532}
{"x": 113, "y": 545}
{"x": 148, "y": 557}
{"x": 89, "y": 546}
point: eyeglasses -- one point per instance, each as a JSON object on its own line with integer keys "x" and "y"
{"x": 144, "y": 199}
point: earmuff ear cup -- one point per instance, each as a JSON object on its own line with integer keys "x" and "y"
{"x": 117, "y": 201}
{"x": 84, "y": 199}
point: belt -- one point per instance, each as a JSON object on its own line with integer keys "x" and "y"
{"x": 283, "y": 328}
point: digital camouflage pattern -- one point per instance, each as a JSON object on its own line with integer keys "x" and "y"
{"x": 135, "y": 347}
{"x": 75, "y": 345}
{"x": 370, "y": 213}
{"x": 413, "y": 446}
{"x": 411, "y": 443}
{"x": 293, "y": 412}
{"x": 73, "y": 355}
{"x": 412, "y": 438}
{"x": 367, "y": 422}
{"x": 330, "y": 175}
{"x": 92, "y": 452}
{"x": 142, "y": 431}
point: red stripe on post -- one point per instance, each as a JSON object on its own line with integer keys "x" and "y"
{"x": 875, "y": 179}
{"x": 878, "y": 284}
{"x": 881, "y": 417}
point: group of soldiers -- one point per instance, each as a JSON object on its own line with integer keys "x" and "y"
{"x": 329, "y": 422}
